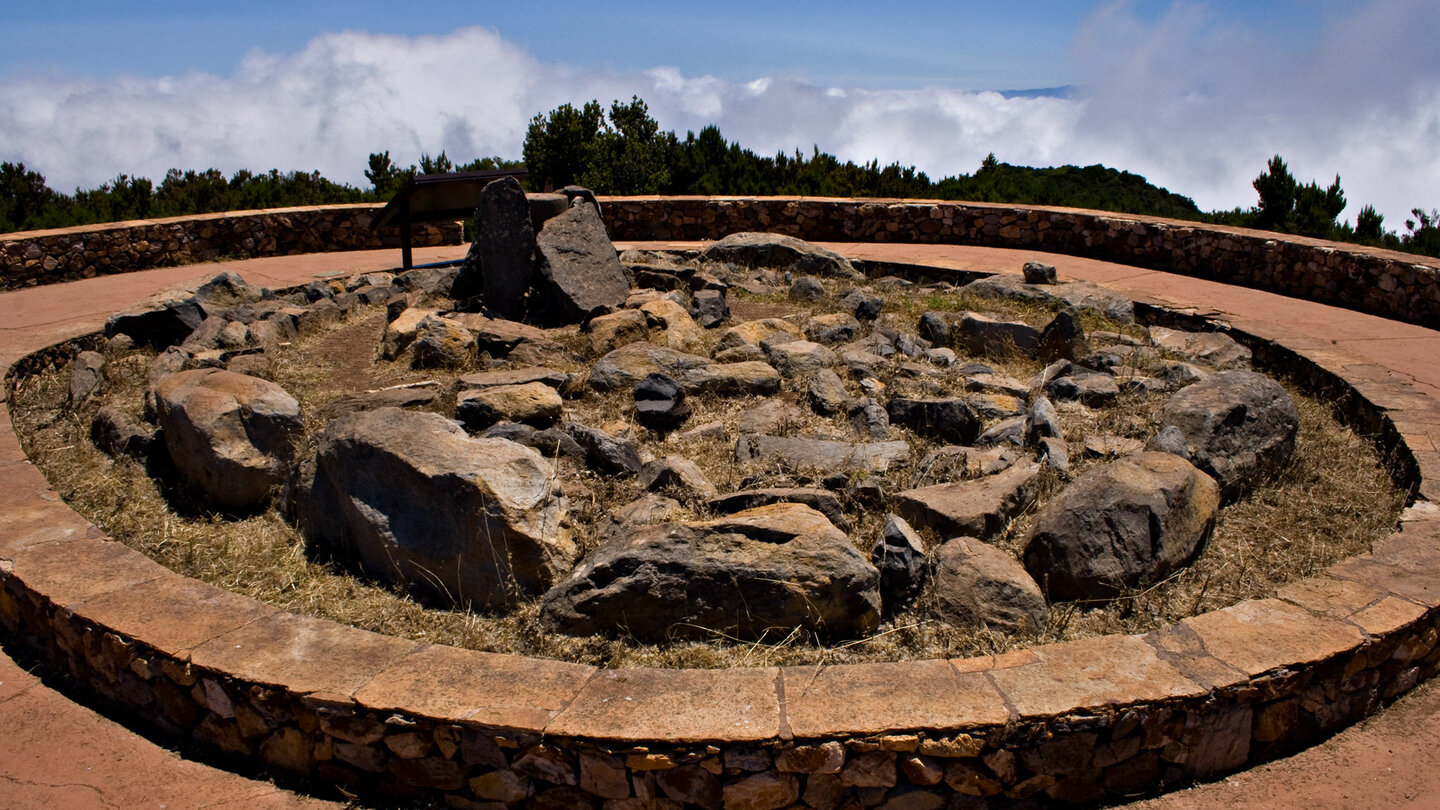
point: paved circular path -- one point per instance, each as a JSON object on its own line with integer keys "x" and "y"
{"x": 56, "y": 753}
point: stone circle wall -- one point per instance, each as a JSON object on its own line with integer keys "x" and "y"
{"x": 1077, "y": 721}
{"x": 66, "y": 254}
{"x": 1395, "y": 285}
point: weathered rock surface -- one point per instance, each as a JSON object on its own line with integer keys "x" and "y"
{"x": 1038, "y": 273}
{"x": 416, "y": 501}
{"x": 610, "y": 332}
{"x": 754, "y": 333}
{"x": 899, "y": 555}
{"x": 991, "y": 337}
{"x": 615, "y": 455}
{"x": 1239, "y": 426}
{"x": 230, "y": 436}
{"x": 87, "y": 377}
{"x": 949, "y": 420}
{"x": 782, "y": 253}
{"x": 799, "y": 358}
{"x": 660, "y": 403}
{"x": 826, "y": 392}
{"x": 679, "y": 475}
{"x": 118, "y": 433}
{"x": 976, "y": 508}
{"x": 558, "y": 380}
{"x": 532, "y": 403}
{"x": 977, "y": 585}
{"x": 442, "y": 343}
{"x": 823, "y": 501}
{"x": 674, "y": 325}
{"x": 822, "y": 454}
{"x": 1123, "y": 525}
{"x": 503, "y": 252}
{"x": 1083, "y": 295}
{"x": 751, "y": 575}
{"x": 1214, "y": 349}
{"x": 581, "y": 270}
{"x": 628, "y": 365}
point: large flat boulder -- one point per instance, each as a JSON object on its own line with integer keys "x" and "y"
{"x": 1120, "y": 526}
{"x": 230, "y": 436}
{"x": 779, "y": 252}
{"x": 580, "y": 269}
{"x": 1239, "y": 426}
{"x": 415, "y": 501}
{"x": 977, "y": 507}
{"x": 828, "y": 455}
{"x": 755, "y": 574}
{"x": 625, "y": 367}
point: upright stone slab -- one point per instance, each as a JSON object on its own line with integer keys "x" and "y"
{"x": 582, "y": 272}
{"x": 504, "y": 249}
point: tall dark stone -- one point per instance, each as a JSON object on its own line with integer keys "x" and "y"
{"x": 500, "y": 266}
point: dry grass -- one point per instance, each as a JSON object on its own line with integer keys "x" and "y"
{"x": 1332, "y": 502}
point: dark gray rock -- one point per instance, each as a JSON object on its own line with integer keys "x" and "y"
{"x": 835, "y": 328}
{"x": 1054, "y": 455}
{"x": 899, "y": 555}
{"x": 990, "y": 337}
{"x": 976, "y": 508}
{"x": 503, "y": 254}
{"x": 582, "y": 272}
{"x": 950, "y": 420}
{"x": 1239, "y": 426}
{"x": 709, "y": 307}
{"x": 867, "y": 418}
{"x": 415, "y": 501}
{"x": 626, "y": 366}
{"x": 807, "y": 288}
{"x": 753, "y": 575}
{"x": 605, "y": 453}
{"x": 1005, "y": 433}
{"x": 1038, "y": 273}
{"x": 117, "y": 433}
{"x": 1120, "y": 526}
{"x": 935, "y": 327}
{"x": 231, "y": 437}
{"x": 1063, "y": 338}
{"x": 158, "y": 325}
{"x": 979, "y": 586}
{"x": 87, "y": 377}
{"x": 1171, "y": 440}
{"x": 660, "y": 403}
{"x": 862, "y": 305}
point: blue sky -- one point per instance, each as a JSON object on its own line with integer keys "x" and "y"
{"x": 1195, "y": 96}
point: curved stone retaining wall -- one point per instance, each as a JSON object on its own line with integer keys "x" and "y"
{"x": 1077, "y": 721}
{"x": 66, "y": 254}
{"x": 1395, "y": 285}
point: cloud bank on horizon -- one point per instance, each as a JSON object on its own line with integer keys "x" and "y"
{"x": 1190, "y": 100}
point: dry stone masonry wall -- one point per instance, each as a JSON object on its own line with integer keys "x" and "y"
{"x": 1385, "y": 283}
{"x": 45, "y": 257}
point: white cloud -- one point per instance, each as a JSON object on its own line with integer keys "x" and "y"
{"x": 1191, "y": 101}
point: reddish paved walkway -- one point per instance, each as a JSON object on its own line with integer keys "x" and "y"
{"x": 58, "y": 754}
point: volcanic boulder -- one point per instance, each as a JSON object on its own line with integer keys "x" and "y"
{"x": 229, "y": 435}
{"x": 416, "y": 501}
{"x": 1239, "y": 426}
{"x": 757, "y": 573}
{"x": 1122, "y": 525}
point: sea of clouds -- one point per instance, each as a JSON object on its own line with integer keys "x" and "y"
{"x": 1192, "y": 102}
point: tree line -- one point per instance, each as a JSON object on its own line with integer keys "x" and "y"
{"x": 623, "y": 151}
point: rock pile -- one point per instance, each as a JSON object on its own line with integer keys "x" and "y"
{"x": 829, "y": 416}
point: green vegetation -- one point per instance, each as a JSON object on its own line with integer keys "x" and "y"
{"x": 624, "y": 151}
